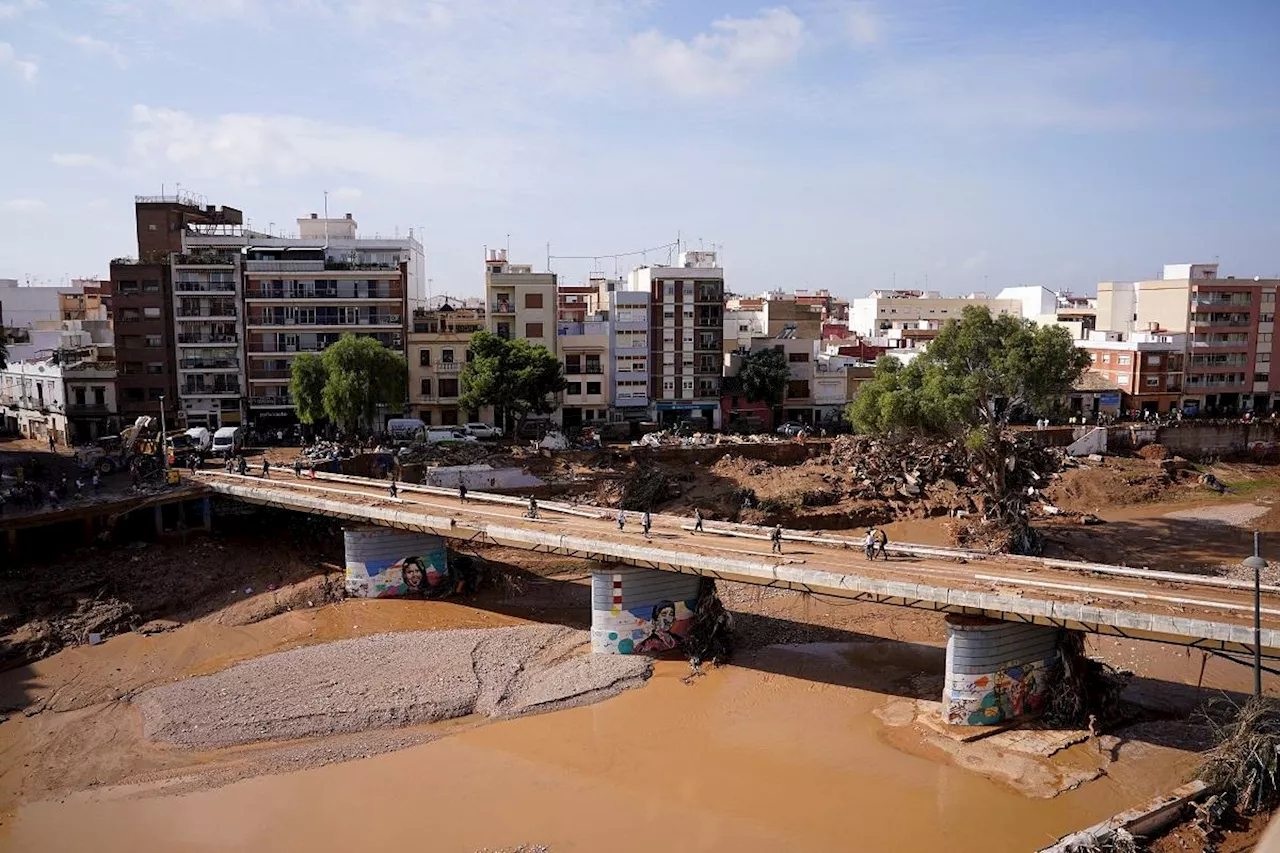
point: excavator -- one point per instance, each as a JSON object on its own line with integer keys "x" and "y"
{"x": 136, "y": 446}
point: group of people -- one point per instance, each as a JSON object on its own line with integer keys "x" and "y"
{"x": 875, "y": 542}
{"x": 30, "y": 491}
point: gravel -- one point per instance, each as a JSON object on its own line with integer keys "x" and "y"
{"x": 1236, "y": 514}
{"x": 387, "y": 681}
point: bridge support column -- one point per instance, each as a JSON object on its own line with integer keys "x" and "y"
{"x": 997, "y": 671}
{"x": 386, "y": 563}
{"x": 635, "y": 611}
{"x": 206, "y": 514}
{"x": 157, "y": 513}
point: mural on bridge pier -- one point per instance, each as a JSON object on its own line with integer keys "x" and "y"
{"x": 382, "y": 563}
{"x": 1005, "y": 694}
{"x": 651, "y": 616}
{"x": 997, "y": 671}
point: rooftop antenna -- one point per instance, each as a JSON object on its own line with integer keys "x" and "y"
{"x": 326, "y": 219}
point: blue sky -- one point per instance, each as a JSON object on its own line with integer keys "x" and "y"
{"x": 831, "y": 143}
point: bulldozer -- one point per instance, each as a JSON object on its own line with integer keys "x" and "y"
{"x": 135, "y": 446}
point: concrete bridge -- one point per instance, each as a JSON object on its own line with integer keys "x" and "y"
{"x": 1005, "y": 614}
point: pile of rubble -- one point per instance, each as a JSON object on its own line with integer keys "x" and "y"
{"x": 328, "y": 451}
{"x": 675, "y": 438}
{"x": 892, "y": 470}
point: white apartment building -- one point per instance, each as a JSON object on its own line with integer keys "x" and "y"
{"x": 22, "y": 306}
{"x": 628, "y": 312}
{"x": 873, "y": 315}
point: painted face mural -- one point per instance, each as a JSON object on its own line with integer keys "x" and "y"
{"x": 662, "y": 637}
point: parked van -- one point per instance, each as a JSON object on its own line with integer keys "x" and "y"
{"x": 201, "y": 439}
{"x": 228, "y": 441}
{"x": 406, "y": 429}
{"x": 448, "y": 435}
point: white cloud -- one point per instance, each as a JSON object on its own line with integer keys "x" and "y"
{"x": 89, "y": 44}
{"x": 723, "y": 61}
{"x": 23, "y": 205}
{"x": 25, "y": 68}
{"x": 9, "y": 11}
{"x": 863, "y": 25}
{"x": 246, "y": 148}
{"x": 75, "y": 161}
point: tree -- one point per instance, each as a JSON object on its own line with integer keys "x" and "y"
{"x": 763, "y": 376}
{"x": 975, "y": 375}
{"x": 306, "y": 383}
{"x": 516, "y": 377}
{"x": 347, "y": 382}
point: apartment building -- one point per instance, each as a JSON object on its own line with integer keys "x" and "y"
{"x": 686, "y": 333}
{"x": 1147, "y": 367}
{"x": 1230, "y": 329}
{"x": 438, "y": 352}
{"x": 70, "y": 398}
{"x": 520, "y": 303}
{"x": 89, "y": 300}
{"x": 883, "y": 310}
{"x": 628, "y": 351}
{"x": 143, "y": 304}
{"x": 584, "y": 333}
{"x": 251, "y": 301}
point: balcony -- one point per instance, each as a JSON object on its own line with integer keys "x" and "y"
{"x": 322, "y": 322}
{"x": 1241, "y": 342}
{"x": 283, "y": 349}
{"x": 216, "y": 390}
{"x": 208, "y": 364}
{"x": 180, "y": 287}
{"x": 284, "y": 266}
{"x": 503, "y": 306}
{"x": 88, "y": 409}
{"x": 1218, "y": 320}
{"x": 1216, "y": 300}
{"x": 1193, "y": 385}
{"x": 281, "y": 401}
{"x": 208, "y": 338}
{"x": 222, "y": 312}
{"x": 449, "y": 367}
{"x": 269, "y": 374}
{"x": 1208, "y": 362}
{"x": 326, "y": 294}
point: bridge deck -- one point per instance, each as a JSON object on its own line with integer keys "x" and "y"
{"x": 1181, "y": 609}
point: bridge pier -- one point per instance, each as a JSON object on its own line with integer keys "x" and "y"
{"x": 637, "y": 611}
{"x": 997, "y": 671}
{"x": 386, "y": 563}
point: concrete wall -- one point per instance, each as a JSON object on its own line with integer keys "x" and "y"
{"x": 1196, "y": 440}
{"x": 385, "y": 563}
{"x": 996, "y": 671}
{"x": 638, "y": 611}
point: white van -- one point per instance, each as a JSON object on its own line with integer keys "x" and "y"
{"x": 228, "y": 441}
{"x": 406, "y": 429}
{"x": 201, "y": 439}
{"x": 448, "y": 435}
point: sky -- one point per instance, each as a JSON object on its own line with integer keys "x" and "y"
{"x": 842, "y": 144}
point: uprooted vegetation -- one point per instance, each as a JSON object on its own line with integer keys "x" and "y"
{"x": 1245, "y": 764}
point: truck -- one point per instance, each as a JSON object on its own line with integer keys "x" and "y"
{"x": 136, "y": 443}
{"x": 406, "y": 430}
{"x": 228, "y": 441}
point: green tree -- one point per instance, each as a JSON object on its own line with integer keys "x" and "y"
{"x": 306, "y": 384}
{"x": 516, "y": 377}
{"x": 763, "y": 376}
{"x": 979, "y": 372}
{"x": 347, "y": 382}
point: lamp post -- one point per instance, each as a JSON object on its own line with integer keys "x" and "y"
{"x": 1257, "y": 564}
{"x": 164, "y": 451}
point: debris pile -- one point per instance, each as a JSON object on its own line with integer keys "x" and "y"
{"x": 1088, "y": 693}
{"x": 1245, "y": 764}
{"x": 678, "y": 438}
{"x": 893, "y": 470}
{"x": 710, "y": 637}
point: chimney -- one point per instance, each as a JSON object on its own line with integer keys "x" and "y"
{"x": 348, "y": 216}
{"x": 314, "y": 216}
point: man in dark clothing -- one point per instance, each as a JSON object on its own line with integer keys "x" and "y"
{"x": 266, "y": 468}
{"x": 697, "y": 520}
{"x": 776, "y": 538}
{"x": 393, "y": 492}
{"x": 462, "y": 490}
{"x": 646, "y": 523}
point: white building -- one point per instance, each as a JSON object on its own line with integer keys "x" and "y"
{"x": 873, "y": 315}
{"x": 22, "y": 306}
{"x": 628, "y": 312}
{"x": 33, "y": 398}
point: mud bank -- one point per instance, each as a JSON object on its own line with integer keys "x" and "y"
{"x": 387, "y": 681}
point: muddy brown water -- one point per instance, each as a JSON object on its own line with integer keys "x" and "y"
{"x": 742, "y": 760}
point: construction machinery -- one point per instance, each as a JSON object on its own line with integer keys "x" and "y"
{"x": 136, "y": 445}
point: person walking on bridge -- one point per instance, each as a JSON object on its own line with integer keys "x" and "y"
{"x": 697, "y": 520}
{"x": 776, "y": 538}
{"x": 882, "y": 542}
{"x": 622, "y": 520}
{"x": 392, "y": 490}
{"x": 266, "y": 468}
{"x": 532, "y": 512}
{"x": 869, "y": 544}
{"x": 462, "y": 489}
{"x": 646, "y": 523}
{"x": 297, "y": 468}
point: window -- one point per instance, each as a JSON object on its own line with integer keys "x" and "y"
{"x": 532, "y": 300}
{"x": 1260, "y": 377}
{"x": 131, "y": 341}
{"x": 1264, "y": 337}
{"x": 155, "y": 367}
{"x": 1266, "y": 318}
{"x": 448, "y": 387}
{"x": 151, "y": 312}
{"x": 79, "y": 396}
{"x": 1264, "y": 356}
{"x": 573, "y": 388}
{"x": 707, "y": 364}
{"x": 470, "y": 356}
{"x": 1122, "y": 379}
{"x": 128, "y": 315}
{"x": 424, "y": 358}
{"x": 1153, "y": 381}
{"x": 593, "y": 364}
{"x": 1153, "y": 361}
{"x": 425, "y": 416}
{"x": 154, "y": 341}
{"x": 151, "y": 285}
{"x": 448, "y": 417}
{"x": 797, "y": 389}
{"x": 533, "y": 330}
{"x": 1106, "y": 358}
{"x": 573, "y": 363}
{"x": 99, "y": 395}
{"x": 446, "y": 356}
{"x": 593, "y": 387}
{"x": 797, "y": 357}
{"x": 504, "y": 331}
{"x": 1122, "y": 359}
{"x": 668, "y": 384}
{"x": 128, "y": 287}
{"x": 424, "y": 387}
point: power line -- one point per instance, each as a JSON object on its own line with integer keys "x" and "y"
{"x": 598, "y": 256}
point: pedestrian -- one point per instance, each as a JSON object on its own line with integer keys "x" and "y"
{"x": 532, "y": 512}
{"x": 230, "y": 465}
{"x": 79, "y": 487}
{"x": 646, "y": 523}
{"x": 622, "y": 520}
{"x": 697, "y": 520}
{"x": 297, "y": 468}
{"x": 63, "y": 487}
{"x": 266, "y": 468}
{"x": 53, "y": 445}
{"x": 776, "y": 538}
{"x": 462, "y": 489}
{"x": 53, "y": 499}
{"x": 882, "y": 543}
{"x": 393, "y": 490}
{"x": 193, "y": 462}
{"x": 869, "y": 544}
{"x": 97, "y": 482}
{"x": 313, "y": 470}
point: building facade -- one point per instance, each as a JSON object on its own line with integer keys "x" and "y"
{"x": 628, "y": 350}
{"x": 1148, "y": 368}
{"x": 520, "y": 303}
{"x": 686, "y": 333}
{"x": 883, "y": 310}
{"x": 438, "y": 352}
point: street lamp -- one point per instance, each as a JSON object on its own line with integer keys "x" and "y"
{"x": 164, "y": 451}
{"x": 1257, "y": 564}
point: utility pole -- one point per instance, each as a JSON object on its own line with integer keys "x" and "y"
{"x": 1257, "y": 564}
{"x": 164, "y": 449}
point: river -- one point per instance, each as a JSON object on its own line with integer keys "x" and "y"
{"x": 747, "y": 758}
